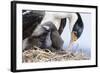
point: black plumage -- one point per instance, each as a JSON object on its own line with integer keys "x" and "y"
{"x": 78, "y": 26}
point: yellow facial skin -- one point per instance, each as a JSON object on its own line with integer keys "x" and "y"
{"x": 73, "y": 36}
{"x": 73, "y": 39}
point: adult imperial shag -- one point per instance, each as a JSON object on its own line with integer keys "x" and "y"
{"x": 31, "y": 19}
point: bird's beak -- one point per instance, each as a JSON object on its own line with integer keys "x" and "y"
{"x": 74, "y": 36}
{"x": 46, "y": 28}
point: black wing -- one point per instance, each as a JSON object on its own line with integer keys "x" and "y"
{"x": 31, "y": 18}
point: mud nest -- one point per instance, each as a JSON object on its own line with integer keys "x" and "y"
{"x": 37, "y": 54}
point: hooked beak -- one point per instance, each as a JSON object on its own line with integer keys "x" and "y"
{"x": 74, "y": 36}
{"x": 47, "y": 28}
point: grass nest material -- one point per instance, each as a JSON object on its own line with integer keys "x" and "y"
{"x": 37, "y": 54}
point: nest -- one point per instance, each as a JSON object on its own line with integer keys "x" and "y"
{"x": 37, "y": 54}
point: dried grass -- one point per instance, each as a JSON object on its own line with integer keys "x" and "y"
{"x": 37, "y": 54}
